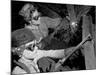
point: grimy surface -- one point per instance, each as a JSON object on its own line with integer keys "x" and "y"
{"x": 89, "y": 54}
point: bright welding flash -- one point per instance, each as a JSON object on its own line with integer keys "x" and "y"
{"x": 74, "y": 24}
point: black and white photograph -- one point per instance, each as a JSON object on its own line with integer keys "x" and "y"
{"x": 52, "y": 37}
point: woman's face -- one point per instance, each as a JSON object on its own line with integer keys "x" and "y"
{"x": 35, "y": 20}
{"x": 30, "y": 13}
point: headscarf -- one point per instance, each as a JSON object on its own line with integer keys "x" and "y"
{"x": 22, "y": 36}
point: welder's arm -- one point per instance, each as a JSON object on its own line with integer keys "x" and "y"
{"x": 58, "y": 53}
{"x": 37, "y": 54}
{"x": 43, "y": 53}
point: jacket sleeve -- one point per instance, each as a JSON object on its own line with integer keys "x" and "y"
{"x": 58, "y": 53}
{"x": 55, "y": 53}
{"x": 52, "y": 22}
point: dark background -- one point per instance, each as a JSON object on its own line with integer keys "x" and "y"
{"x": 17, "y": 22}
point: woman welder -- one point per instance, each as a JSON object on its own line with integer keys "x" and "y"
{"x": 24, "y": 38}
{"x": 37, "y": 23}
